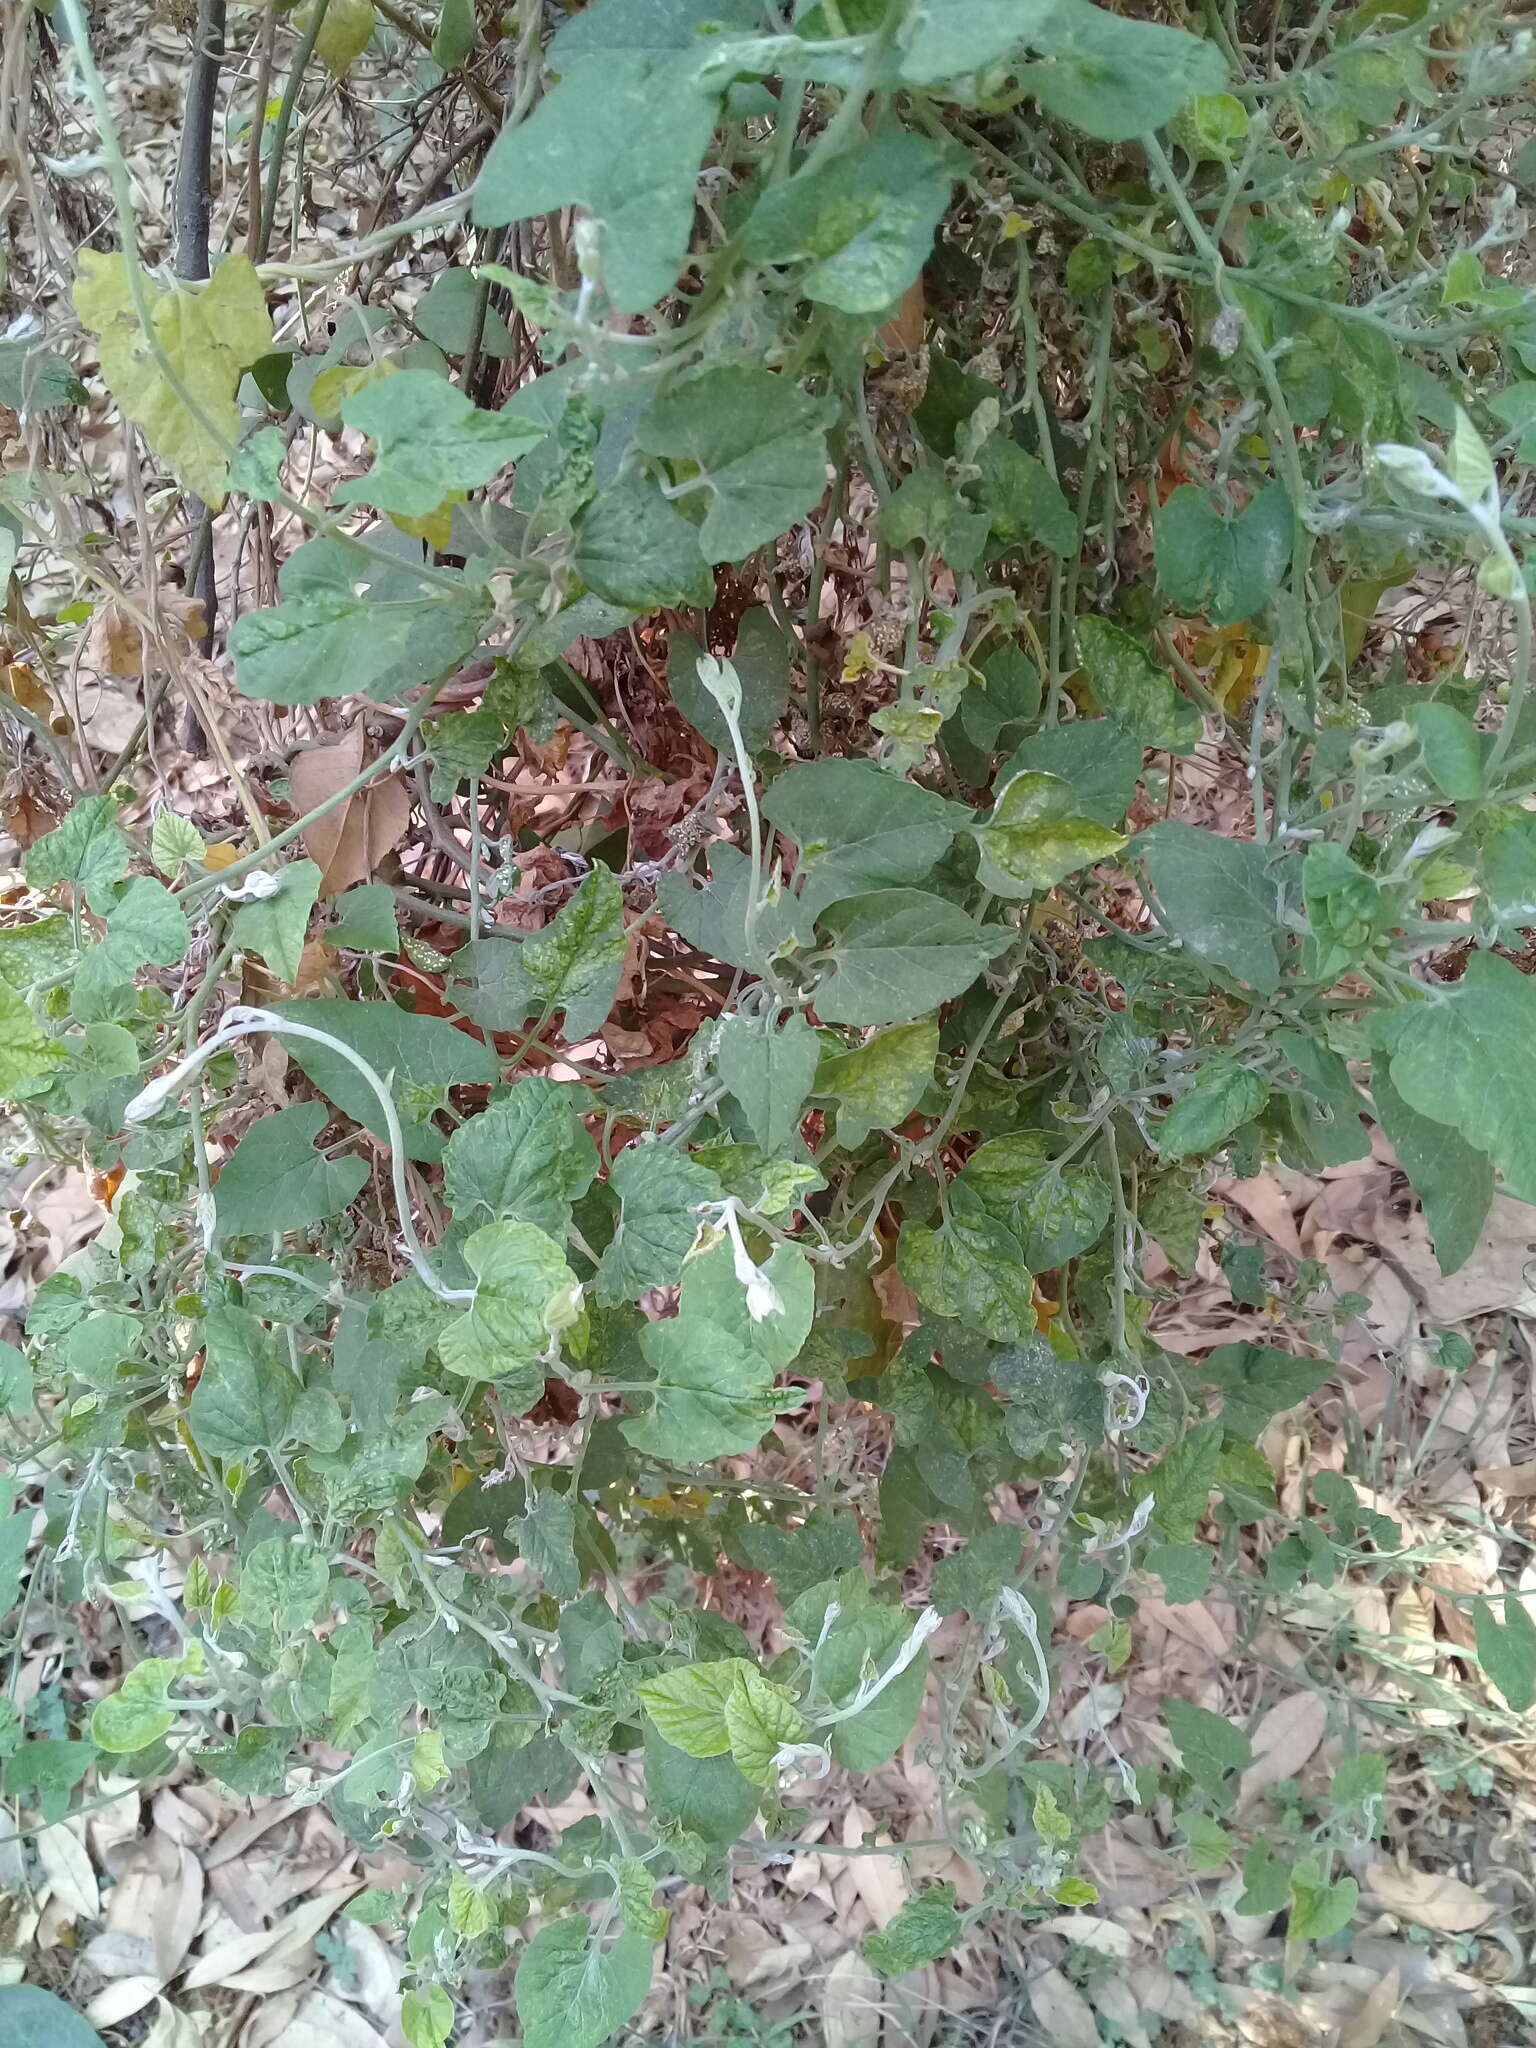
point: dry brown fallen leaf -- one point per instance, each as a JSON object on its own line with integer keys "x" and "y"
{"x": 851, "y": 2003}
{"x": 879, "y": 1880}
{"x": 1064, "y": 2015}
{"x": 1375, "y": 2015}
{"x": 1431, "y": 1898}
{"x": 232, "y": 1960}
{"x": 1283, "y": 1741}
{"x": 349, "y": 841}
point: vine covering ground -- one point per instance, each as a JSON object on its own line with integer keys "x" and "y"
{"x": 767, "y": 1005}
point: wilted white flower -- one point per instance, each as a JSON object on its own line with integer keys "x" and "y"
{"x": 1227, "y": 332}
{"x": 256, "y": 887}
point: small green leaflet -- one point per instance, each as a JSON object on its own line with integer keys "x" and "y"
{"x": 573, "y": 1992}
{"x": 1184, "y": 1568}
{"x": 711, "y": 913}
{"x": 1116, "y": 78}
{"x": 1133, "y": 691}
{"x": 715, "y": 1364}
{"x": 928, "y": 1926}
{"x": 88, "y": 849}
{"x": 1225, "y": 566}
{"x": 661, "y": 1191}
{"x": 1452, "y": 1179}
{"x": 1055, "y": 1212}
{"x": 857, "y": 828}
{"x": 761, "y": 659}
{"x": 969, "y": 1580}
{"x": 687, "y": 1706}
{"x": 1507, "y": 1650}
{"x": 1181, "y": 1481}
{"x": 770, "y": 1070}
{"x": 1212, "y": 1748}
{"x": 899, "y": 953}
{"x": 866, "y": 1635}
{"x": 144, "y": 924}
{"x": 1319, "y": 1909}
{"x": 31, "y": 2017}
{"x": 445, "y": 313}
{"x": 1222, "y": 1096}
{"x": 348, "y": 623}
{"x": 862, "y": 225}
{"x": 276, "y": 1180}
{"x": 1031, "y": 840}
{"x": 1022, "y": 500}
{"x": 1454, "y": 750}
{"x": 1112, "y": 78}
{"x": 1257, "y": 1381}
{"x": 244, "y": 1397}
{"x": 431, "y": 441}
{"x": 546, "y": 1538}
{"x": 526, "y": 1155}
{"x": 1344, "y": 909}
{"x": 1100, "y": 760}
{"x": 1220, "y": 896}
{"x": 752, "y": 442}
{"x": 574, "y": 963}
{"x": 273, "y": 927}
{"x": 27, "y": 1053}
{"x": 1466, "y": 1057}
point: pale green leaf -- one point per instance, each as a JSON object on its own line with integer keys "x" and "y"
{"x": 1221, "y": 1096}
{"x": 860, "y": 226}
{"x": 878, "y": 1084}
{"x": 431, "y": 440}
{"x": 621, "y": 136}
{"x": 425, "y": 1055}
{"x": 27, "y": 1053}
{"x": 275, "y": 1180}
{"x": 1022, "y": 499}
{"x": 1212, "y": 1747}
{"x": 1031, "y": 840}
{"x": 1507, "y": 1651}
{"x": 752, "y": 442}
{"x": 770, "y": 1070}
{"x": 1133, "y": 691}
{"x": 972, "y": 1268}
{"x": 1452, "y": 1179}
{"x": 898, "y": 953}
{"x": 574, "y": 963}
{"x": 525, "y": 1295}
{"x": 687, "y": 1706}
{"x": 88, "y": 850}
{"x": 760, "y": 1718}
{"x": 31, "y": 2017}
{"x": 525, "y": 1155}
{"x": 635, "y": 549}
{"x": 761, "y": 658}
{"x": 1466, "y": 1057}
{"x": 244, "y": 1397}
{"x": 857, "y": 828}
{"x": 1225, "y": 565}
{"x": 1220, "y": 896}
{"x": 928, "y": 1926}
{"x": 660, "y": 1190}
{"x": 273, "y": 927}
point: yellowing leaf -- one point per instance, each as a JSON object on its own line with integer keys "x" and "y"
{"x": 344, "y": 33}
{"x": 208, "y": 337}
